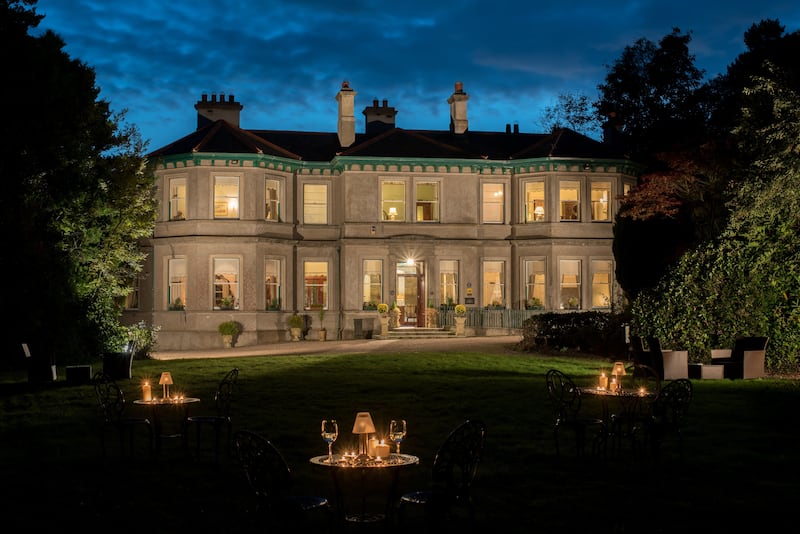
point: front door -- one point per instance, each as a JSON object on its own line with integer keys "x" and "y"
{"x": 411, "y": 293}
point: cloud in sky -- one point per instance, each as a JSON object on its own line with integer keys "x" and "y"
{"x": 286, "y": 60}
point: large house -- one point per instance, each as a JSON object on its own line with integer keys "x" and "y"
{"x": 255, "y": 225}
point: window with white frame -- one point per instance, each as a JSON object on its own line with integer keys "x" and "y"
{"x": 493, "y": 284}
{"x": 315, "y": 203}
{"x": 601, "y": 283}
{"x": 272, "y": 199}
{"x": 176, "y": 288}
{"x": 177, "y": 199}
{"x": 315, "y": 285}
{"x": 448, "y": 282}
{"x": 601, "y": 195}
{"x": 569, "y": 200}
{"x": 372, "y": 289}
{"x": 132, "y": 298}
{"x": 427, "y": 207}
{"x": 226, "y": 284}
{"x": 570, "y": 284}
{"x": 493, "y": 203}
{"x": 226, "y": 197}
{"x": 393, "y": 201}
{"x": 535, "y": 284}
{"x": 272, "y": 284}
{"x": 534, "y": 202}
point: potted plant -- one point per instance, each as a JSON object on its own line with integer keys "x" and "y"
{"x": 533, "y": 304}
{"x": 176, "y": 305}
{"x": 460, "y": 312}
{"x": 322, "y": 331}
{"x": 383, "y": 311}
{"x": 229, "y": 330}
{"x": 394, "y": 315}
{"x": 296, "y": 324}
{"x": 572, "y": 303}
{"x": 226, "y": 303}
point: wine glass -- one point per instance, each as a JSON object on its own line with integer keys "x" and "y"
{"x": 330, "y": 431}
{"x": 397, "y": 431}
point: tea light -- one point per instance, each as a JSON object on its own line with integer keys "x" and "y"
{"x": 382, "y": 449}
{"x": 147, "y": 394}
{"x": 642, "y": 391}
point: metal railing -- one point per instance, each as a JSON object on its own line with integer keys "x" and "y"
{"x": 488, "y": 318}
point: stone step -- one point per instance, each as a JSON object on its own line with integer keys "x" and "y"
{"x": 418, "y": 333}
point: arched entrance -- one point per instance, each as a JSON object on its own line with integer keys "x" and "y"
{"x": 410, "y": 291}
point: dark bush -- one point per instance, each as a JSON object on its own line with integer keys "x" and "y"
{"x": 592, "y": 332}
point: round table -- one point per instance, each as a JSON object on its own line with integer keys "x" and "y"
{"x": 343, "y": 466}
{"x": 157, "y": 408}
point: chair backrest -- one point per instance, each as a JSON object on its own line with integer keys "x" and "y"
{"x": 742, "y": 344}
{"x": 223, "y": 398}
{"x": 109, "y": 396}
{"x": 266, "y": 470}
{"x": 563, "y": 393}
{"x": 456, "y": 463}
{"x": 671, "y": 407}
{"x": 644, "y": 376}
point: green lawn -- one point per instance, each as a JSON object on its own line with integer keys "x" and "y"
{"x": 741, "y": 461}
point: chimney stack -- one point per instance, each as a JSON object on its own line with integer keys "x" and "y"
{"x": 209, "y": 111}
{"x": 379, "y": 118}
{"x": 346, "y": 125}
{"x": 458, "y": 110}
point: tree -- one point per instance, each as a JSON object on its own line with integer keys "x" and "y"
{"x": 76, "y": 196}
{"x": 572, "y": 111}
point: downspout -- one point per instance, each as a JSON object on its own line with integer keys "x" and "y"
{"x": 339, "y": 316}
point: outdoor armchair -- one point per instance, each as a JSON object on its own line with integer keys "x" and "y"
{"x": 746, "y": 360}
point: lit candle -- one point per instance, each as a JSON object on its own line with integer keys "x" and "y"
{"x": 146, "y": 393}
{"x": 614, "y": 384}
{"x": 603, "y": 381}
{"x": 382, "y": 450}
{"x": 371, "y": 445}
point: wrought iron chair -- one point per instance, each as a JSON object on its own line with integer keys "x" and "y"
{"x": 669, "y": 415}
{"x": 270, "y": 479}
{"x": 566, "y": 399}
{"x": 454, "y": 470}
{"x": 223, "y": 399}
{"x": 634, "y": 409}
{"x": 113, "y": 411}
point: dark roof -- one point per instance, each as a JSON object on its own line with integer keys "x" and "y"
{"x": 223, "y": 137}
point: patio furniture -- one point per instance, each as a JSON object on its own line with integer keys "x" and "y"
{"x": 455, "y": 467}
{"x": 566, "y": 399}
{"x": 669, "y": 364}
{"x": 117, "y": 365}
{"x": 668, "y": 418}
{"x": 114, "y": 416}
{"x": 270, "y": 479}
{"x": 746, "y": 360}
{"x": 634, "y": 409}
{"x": 221, "y": 418}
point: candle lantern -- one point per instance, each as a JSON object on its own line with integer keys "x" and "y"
{"x": 147, "y": 394}
{"x": 363, "y": 427}
{"x": 166, "y": 382}
{"x": 618, "y": 371}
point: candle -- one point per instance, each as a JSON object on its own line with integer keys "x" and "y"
{"x": 371, "y": 445}
{"x": 382, "y": 450}
{"x": 614, "y": 384}
{"x": 146, "y": 393}
{"x": 603, "y": 381}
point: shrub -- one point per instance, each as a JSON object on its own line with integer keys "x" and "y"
{"x": 229, "y": 328}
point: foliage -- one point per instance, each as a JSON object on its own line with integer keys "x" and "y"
{"x": 572, "y": 111}
{"x": 460, "y": 310}
{"x": 321, "y": 314}
{"x": 296, "y": 321}
{"x": 76, "y": 198}
{"x": 229, "y": 328}
{"x": 383, "y": 308}
{"x": 145, "y": 337}
{"x": 177, "y": 305}
{"x": 593, "y": 332}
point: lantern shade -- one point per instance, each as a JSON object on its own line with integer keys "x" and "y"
{"x": 619, "y": 369}
{"x": 166, "y": 378}
{"x": 363, "y": 424}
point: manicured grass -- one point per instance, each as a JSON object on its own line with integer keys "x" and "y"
{"x": 741, "y": 460}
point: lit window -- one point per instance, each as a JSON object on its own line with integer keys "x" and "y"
{"x": 569, "y": 198}
{"x": 176, "y": 290}
{"x": 601, "y": 194}
{"x": 177, "y": 199}
{"x": 226, "y": 284}
{"x": 272, "y": 284}
{"x": 315, "y": 280}
{"x": 315, "y": 204}
{"x": 226, "y": 197}
{"x": 493, "y": 203}
{"x": 427, "y": 201}
{"x": 535, "y": 284}
{"x": 393, "y": 201}
{"x": 373, "y": 284}
{"x": 601, "y": 284}
{"x": 570, "y": 287}
{"x": 272, "y": 200}
{"x": 493, "y": 284}
{"x": 448, "y": 282}
{"x": 534, "y": 201}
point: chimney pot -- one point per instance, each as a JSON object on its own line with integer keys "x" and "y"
{"x": 385, "y": 103}
{"x": 516, "y": 128}
{"x": 508, "y": 128}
